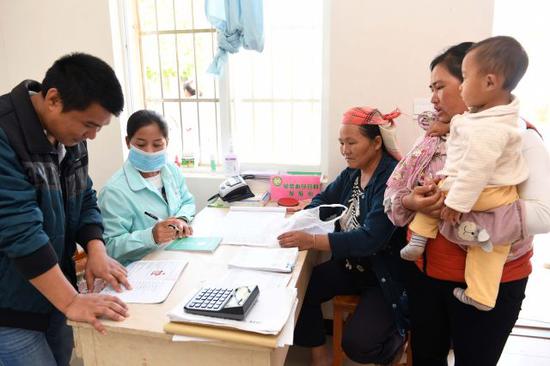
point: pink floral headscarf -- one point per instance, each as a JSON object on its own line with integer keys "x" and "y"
{"x": 360, "y": 116}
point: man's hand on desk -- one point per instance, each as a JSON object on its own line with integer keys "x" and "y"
{"x": 88, "y": 308}
{"x": 100, "y": 265}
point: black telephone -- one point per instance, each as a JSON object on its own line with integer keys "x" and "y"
{"x": 233, "y": 189}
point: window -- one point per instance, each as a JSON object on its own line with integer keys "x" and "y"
{"x": 276, "y": 95}
{"x": 267, "y": 105}
{"x": 176, "y": 43}
{"x": 528, "y": 23}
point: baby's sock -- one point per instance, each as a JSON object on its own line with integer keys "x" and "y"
{"x": 460, "y": 294}
{"x": 414, "y": 249}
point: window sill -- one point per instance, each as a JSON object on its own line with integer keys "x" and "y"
{"x": 203, "y": 172}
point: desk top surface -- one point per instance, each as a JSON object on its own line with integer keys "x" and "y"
{"x": 150, "y": 318}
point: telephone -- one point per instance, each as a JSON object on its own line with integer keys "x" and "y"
{"x": 233, "y": 189}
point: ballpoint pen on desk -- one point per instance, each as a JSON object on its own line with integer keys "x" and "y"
{"x": 154, "y": 217}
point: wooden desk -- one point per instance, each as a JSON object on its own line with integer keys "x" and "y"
{"x": 140, "y": 339}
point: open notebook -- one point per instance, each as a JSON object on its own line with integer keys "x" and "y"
{"x": 196, "y": 244}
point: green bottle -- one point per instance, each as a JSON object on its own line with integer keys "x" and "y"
{"x": 212, "y": 163}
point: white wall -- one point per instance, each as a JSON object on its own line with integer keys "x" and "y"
{"x": 377, "y": 53}
{"x": 34, "y": 33}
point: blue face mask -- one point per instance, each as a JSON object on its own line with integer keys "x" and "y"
{"x": 147, "y": 162}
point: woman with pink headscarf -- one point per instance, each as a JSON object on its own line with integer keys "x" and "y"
{"x": 365, "y": 248}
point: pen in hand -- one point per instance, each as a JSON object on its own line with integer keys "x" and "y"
{"x": 154, "y": 217}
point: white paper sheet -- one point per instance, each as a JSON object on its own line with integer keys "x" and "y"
{"x": 184, "y": 338}
{"x": 268, "y": 315}
{"x": 286, "y": 337}
{"x": 252, "y": 226}
{"x": 151, "y": 281}
{"x": 236, "y": 277}
{"x": 265, "y": 259}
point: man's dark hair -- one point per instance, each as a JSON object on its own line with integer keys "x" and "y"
{"x": 452, "y": 58}
{"x": 142, "y": 118}
{"x": 502, "y": 55}
{"x": 83, "y": 79}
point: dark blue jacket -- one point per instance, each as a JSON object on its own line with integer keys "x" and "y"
{"x": 376, "y": 244}
{"x": 45, "y": 207}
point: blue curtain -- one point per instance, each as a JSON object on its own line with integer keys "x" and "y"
{"x": 238, "y": 23}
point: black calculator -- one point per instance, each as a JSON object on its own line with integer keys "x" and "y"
{"x": 231, "y": 303}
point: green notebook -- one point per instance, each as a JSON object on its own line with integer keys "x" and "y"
{"x": 196, "y": 243}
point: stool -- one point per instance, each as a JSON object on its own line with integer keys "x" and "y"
{"x": 80, "y": 259}
{"x": 346, "y": 304}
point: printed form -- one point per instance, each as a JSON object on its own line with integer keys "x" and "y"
{"x": 151, "y": 281}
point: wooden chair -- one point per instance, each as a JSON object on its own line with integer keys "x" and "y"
{"x": 80, "y": 259}
{"x": 343, "y": 306}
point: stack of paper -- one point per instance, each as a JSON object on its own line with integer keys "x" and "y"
{"x": 151, "y": 281}
{"x": 235, "y": 277}
{"x": 260, "y": 174}
{"x": 266, "y": 259}
{"x": 253, "y": 226}
{"x": 284, "y": 338}
{"x": 268, "y": 316}
{"x": 259, "y": 200}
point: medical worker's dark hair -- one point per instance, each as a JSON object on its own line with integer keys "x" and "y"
{"x": 145, "y": 117}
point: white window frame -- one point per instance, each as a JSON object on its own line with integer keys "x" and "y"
{"x": 125, "y": 59}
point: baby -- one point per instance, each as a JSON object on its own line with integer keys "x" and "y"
{"x": 484, "y": 162}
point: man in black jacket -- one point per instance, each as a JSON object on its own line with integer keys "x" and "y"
{"x": 47, "y": 205}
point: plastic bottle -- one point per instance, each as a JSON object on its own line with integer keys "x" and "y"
{"x": 188, "y": 160}
{"x": 212, "y": 163}
{"x": 231, "y": 163}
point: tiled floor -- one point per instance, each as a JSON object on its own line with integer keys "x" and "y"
{"x": 519, "y": 351}
{"x": 299, "y": 356}
{"x": 536, "y": 307}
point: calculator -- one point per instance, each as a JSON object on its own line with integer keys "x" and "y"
{"x": 231, "y": 303}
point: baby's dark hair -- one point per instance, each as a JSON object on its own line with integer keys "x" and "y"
{"x": 504, "y": 56}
